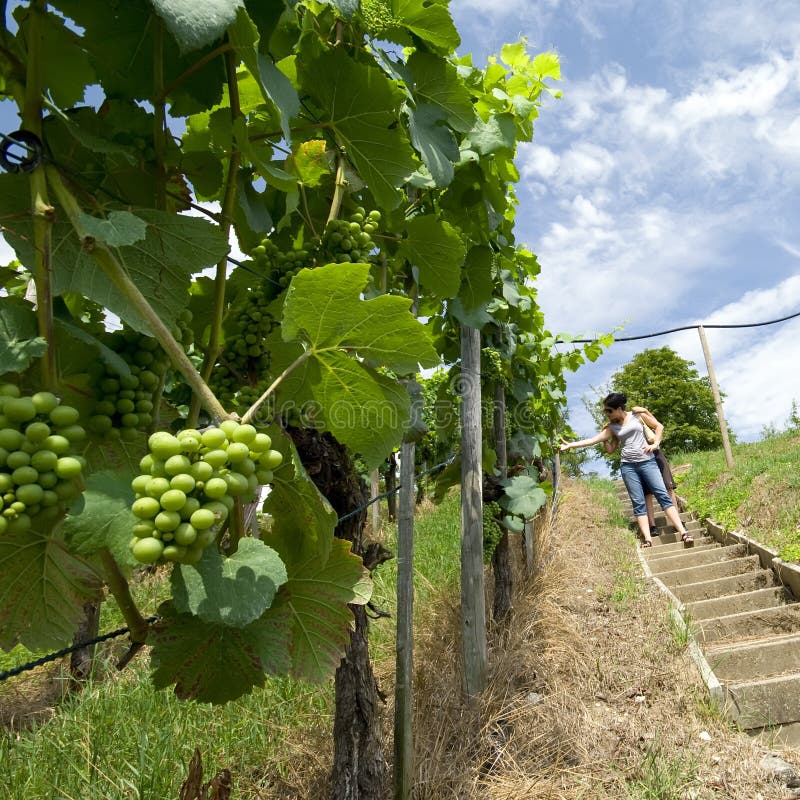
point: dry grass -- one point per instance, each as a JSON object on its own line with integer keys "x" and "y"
{"x": 591, "y": 694}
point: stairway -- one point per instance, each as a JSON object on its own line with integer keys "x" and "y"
{"x": 745, "y": 623}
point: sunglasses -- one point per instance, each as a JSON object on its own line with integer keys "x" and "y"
{"x": 608, "y": 410}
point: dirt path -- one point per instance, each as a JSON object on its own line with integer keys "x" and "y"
{"x": 593, "y": 694}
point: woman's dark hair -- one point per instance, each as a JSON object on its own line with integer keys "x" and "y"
{"x": 615, "y": 400}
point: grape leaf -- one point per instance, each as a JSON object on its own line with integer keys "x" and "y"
{"x": 210, "y": 663}
{"x": 323, "y": 307}
{"x": 435, "y": 141}
{"x": 430, "y": 21}
{"x": 119, "y": 228}
{"x": 436, "y": 82}
{"x": 361, "y": 105}
{"x": 302, "y": 519}
{"x": 309, "y": 162}
{"x": 497, "y": 133}
{"x": 102, "y": 517}
{"x": 275, "y": 86}
{"x": 315, "y": 598}
{"x": 194, "y": 24}
{"x": 81, "y": 337}
{"x": 43, "y": 588}
{"x": 19, "y": 339}
{"x": 161, "y": 265}
{"x": 118, "y": 38}
{"x": 231, "y": 591}
{"x": 58, "y": 48}
{"x": 328, "y": 322}
{"x": 436, "y": 249}
{"x": 522, "y": 497}
{"x": 115, "y": 455}
{"x": 477, "y": 285}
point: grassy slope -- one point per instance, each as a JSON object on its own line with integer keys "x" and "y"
{"x": 759, "y": 497}
{"x": 118, "y": 738}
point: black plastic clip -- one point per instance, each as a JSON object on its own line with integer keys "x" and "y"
{"x": 20, "y": 151}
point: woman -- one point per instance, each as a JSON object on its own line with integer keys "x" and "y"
{"x": 639, "y": 469}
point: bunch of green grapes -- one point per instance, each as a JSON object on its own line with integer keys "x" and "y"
{"x": 278, "y": 265}
{"x": 125, "y": 402}
{"x": 244, "y": 361}
{"x": 188, "y": 485}
{"x": 182, "y": 329}
{"x": 493, "y": 367}
{"x": 39, "y": 471}
{"x": 492, "y": 532}
{"x": 351, "y": 239}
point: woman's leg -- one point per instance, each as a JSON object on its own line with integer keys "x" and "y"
{"x": 635, "y": 489}
{"x": 651, "y": 475}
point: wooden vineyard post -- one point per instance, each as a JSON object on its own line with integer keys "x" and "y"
{"x": 473, "y": 603}
{"x": 723, "y": 426}
{"x": 404, "y": 668}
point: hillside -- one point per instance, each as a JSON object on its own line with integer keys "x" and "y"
{"x": 592, "y": 695}
{"x": 759, "y": 497}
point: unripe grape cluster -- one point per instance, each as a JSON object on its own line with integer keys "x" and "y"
{"x": 244, "y": 362}
{"x": 39, "y": 470}
{"x": 492, "y": 532}
{"x": 125, "y": 402}
{"x": 351, "y": 239}
{"x": 280, "y": 266}
{"x": 188, "y": 486}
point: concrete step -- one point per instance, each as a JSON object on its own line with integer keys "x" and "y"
{"x": 756, "y": 658}
{"x": 778, "y": 735}
{"x": 672, "y": 536}
{"x": 707, "y": 572}
{"x": 750, "y": 624}
{"x": 736, "y": 603}
{"x": 706, "y": 590}
{"x": 773, "y": 701}
{"x": 689, "y": 558}
{"x": 656, "y": 552}
{"x": 663, "y": 523}
{"x": 668, "y": 543}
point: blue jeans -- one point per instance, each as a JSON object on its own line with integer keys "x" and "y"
{"x": 636, "y": 476}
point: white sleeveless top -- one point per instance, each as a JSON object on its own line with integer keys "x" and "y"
{"x": 631, "y": 439}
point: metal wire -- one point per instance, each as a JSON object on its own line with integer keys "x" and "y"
{"x": 684, "y": 328}
{"x": 65, "y": 652}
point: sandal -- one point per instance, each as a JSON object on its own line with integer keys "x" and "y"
{"x": 647, "y": 544}
{"x": 687, "y": 540}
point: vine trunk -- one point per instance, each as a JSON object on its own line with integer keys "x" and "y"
{"x": 359, "y": 766}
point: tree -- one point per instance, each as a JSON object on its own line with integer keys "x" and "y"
{"x": 676, "y": 394}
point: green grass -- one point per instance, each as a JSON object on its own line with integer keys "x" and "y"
{"x": 119, "y": 738}
{"x": 759, "y": 497}
{"x": 627, "y": 583}
{"x": 662, "y": 776}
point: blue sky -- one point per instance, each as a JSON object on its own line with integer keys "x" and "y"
{"x": 663, "y": 189}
